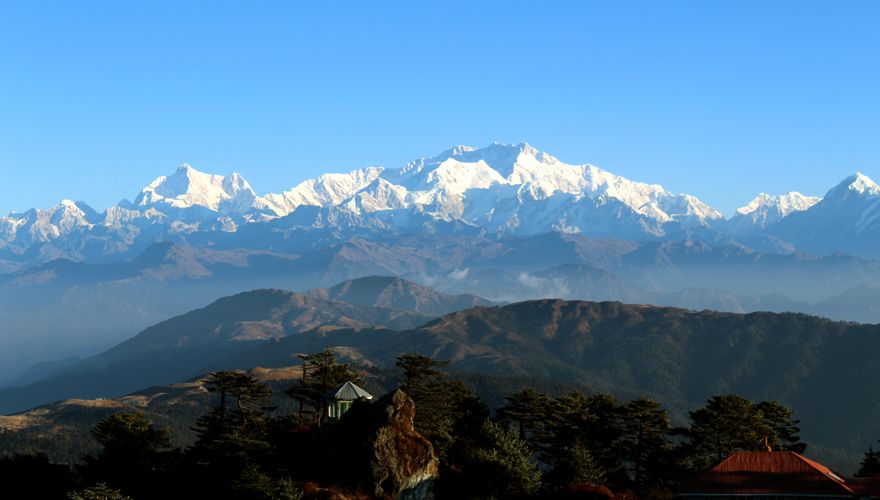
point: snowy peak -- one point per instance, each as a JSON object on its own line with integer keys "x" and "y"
{"x": 509, "y": 161}
{"x": 766, "y": 210}
{"x": 536, "y": 176}
{"x": 42, "y": 225}
{"x": 502, "y": 158}
{"x": 325, "y": 190}
{"x": 188, "y": 187}
{"x": 782, "y": 205}
{"x": 498, "y": 189}
{"x": 857, "y": 184}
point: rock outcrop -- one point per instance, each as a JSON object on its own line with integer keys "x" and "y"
{"x": 384, "y": 452}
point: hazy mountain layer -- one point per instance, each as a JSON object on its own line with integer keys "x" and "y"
{"x": 65, "y": 308}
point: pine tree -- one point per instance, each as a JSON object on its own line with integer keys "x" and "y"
{"x": 233, "y": 435}
{"x": 870, "y": 466}
{"x": 448, "y": 412}
{"x": 131, "y": 457}
{"x": 321, "y": 374}
{"x": 646, "y": 444}
{"x": 726, "y": 424}
{"x": 423, "y": 381}
{"x": 527, "y": 409}
{"x": 499, "y": 465}
{"x": 594, "y": 421}
{"x": 783, "y": 427}
{"x": 578, "y": 466}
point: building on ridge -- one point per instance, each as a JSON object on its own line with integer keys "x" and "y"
{"x": 339, "y": 400}
{"x": 765, "y": 475}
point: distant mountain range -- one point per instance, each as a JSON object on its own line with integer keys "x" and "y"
{"x": 64, "y": 308}
{"x": 507, "y": 223}
{"x": 677, "y": 356}
{"x": 482, "y": 256}
{"x": 498, "y": 190}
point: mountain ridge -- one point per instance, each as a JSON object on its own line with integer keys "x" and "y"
{"x": 677, "y": 356}
{"x": 499, "y": 189}
{"x": 205, "y": 337}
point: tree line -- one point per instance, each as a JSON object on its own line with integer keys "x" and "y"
{"x": 575, "y": 445}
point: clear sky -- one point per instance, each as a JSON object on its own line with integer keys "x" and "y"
{"x": 717, "y": 99}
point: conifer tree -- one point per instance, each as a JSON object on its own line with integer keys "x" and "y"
{"x": 578, "y": 466}
{"x": 131, "y": 457}
{"x": 783, "y": 427}
{"x": 727, "y": 423}
{"x": 423, "y": 381}
{"x": 870, "y": 466}
{"x": 594, "y": 421}
{"x": 233, "y": 435}
{"x": 499, "y": 465}
{"x": 527, "y": 409}
{"x": 321, "y": 374}
{"x": 646, "y": 444}
{"x": 448, "y": 412}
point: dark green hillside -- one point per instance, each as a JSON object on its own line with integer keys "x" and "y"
{"x": 825, "y": 370}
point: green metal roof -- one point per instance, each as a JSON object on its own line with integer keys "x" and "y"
{"x": 349, "y": 392}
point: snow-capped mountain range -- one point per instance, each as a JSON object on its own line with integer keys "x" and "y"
{"x": 766, "y": 210}
{"x": 495, "y": 190}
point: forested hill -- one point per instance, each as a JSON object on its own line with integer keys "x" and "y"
{"x": 825, "y": 370}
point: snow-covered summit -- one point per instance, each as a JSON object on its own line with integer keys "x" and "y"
{"x": 501, "y": 188}
{"x": 497, "y": 189}
{"x": 39, "y": 225}
{"x": 857, "y": 184}
{"x": 188, "y": 187}
{"x": 462, "y": 182}
{"x": 464, "y": 172}
{"x": 781, "y": 205}
{"x": 325, "y": 190}
{"x": 766, "y": 209}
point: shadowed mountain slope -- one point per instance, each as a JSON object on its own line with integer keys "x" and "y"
{"x": 395, "y": 293}
{"x": 198, "y": 341}
{"x": 678, "y": 356}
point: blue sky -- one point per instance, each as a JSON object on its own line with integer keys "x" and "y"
{"x": 717, "y": 99}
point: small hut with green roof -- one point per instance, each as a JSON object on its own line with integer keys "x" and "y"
{"x": 339, "y": 400}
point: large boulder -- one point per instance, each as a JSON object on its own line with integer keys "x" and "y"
{"x": 384, "y": 452}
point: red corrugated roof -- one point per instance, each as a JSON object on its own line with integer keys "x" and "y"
{"x": 768, "y": 472}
